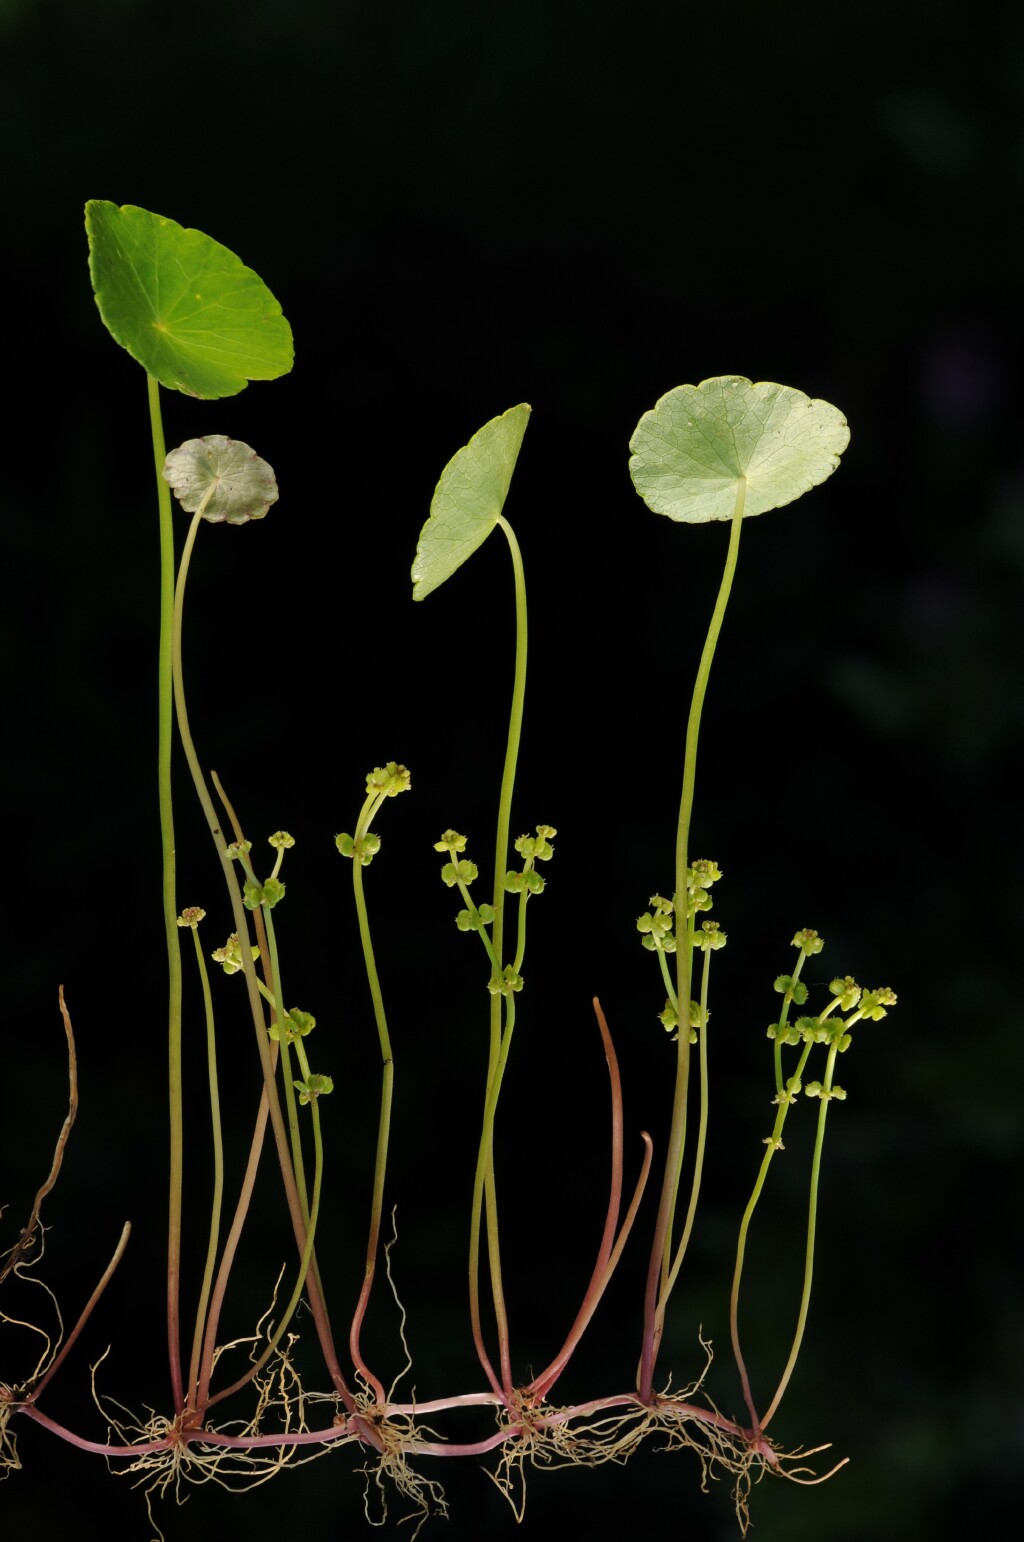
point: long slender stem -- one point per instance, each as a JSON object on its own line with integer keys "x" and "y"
{"x": 304, "y": 1276}
{"x": 299, "y": 1216}
{"x": 681, "y": 1017}
{"x": 654, "y": 1309}
{"x": 252, "y": 1165}
{"x": 369, "y": 809}
{"x": 85, "y": 1313}
{"x": 592, "y": 1300}
{"x": 734, "y": 1300}
{"x": 218, "y": 1177}
{"x": 484, "y": 1185}
{"x": 515, "y": 731}
{"x": 541, "y": 1384}
{"x": 702, "y": 1134}
{"x": 772, "y": 1144}
{"x": 228, "y": 1256}
{"x": 164, "y": 738}
{"x": 277, "y": 1012}
{"x": 812, "y": 1219}
{"x": 494, "y": 1255}
{"x": 610, "y": 1249}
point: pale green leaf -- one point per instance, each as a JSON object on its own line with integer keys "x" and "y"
{"x": 690, "y": 451}
{"x": 222, "y": 478}
{"x": 188, "y": 310}
{"x": 468, "y": 499}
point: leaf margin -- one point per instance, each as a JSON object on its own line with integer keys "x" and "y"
{"x": 122, "y": 230}
{"x": 663, "y": 488}
{"x": 430, "y": 569}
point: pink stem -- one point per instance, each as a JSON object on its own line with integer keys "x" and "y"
{"x": 86, "y": 1311}
{"x": 601, "y": 1274}
{"x": 354, "y": 1429}
{"x": 203, "y": 1399}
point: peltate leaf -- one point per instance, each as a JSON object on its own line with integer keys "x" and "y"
{"x": 188, "y": 310}
{"x": 222, "y": 477}
{"x": 691, "y": 449}
{"x": 468, "y": 499}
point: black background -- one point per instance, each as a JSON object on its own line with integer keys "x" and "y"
{"x": 579, "y": 205}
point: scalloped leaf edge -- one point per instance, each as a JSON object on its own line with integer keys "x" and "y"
{"x": 711, "y": 496}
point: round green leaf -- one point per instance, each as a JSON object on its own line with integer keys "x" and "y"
{"x": 188, "y": 310}
{"x": 690, "y": 451}
{"x": 221, "y": 478}
{"x": 468, "y": 499}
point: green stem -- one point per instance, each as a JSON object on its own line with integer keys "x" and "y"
{"x": 670, "y": 984}
{"x": 773, "y": 1144}
{"x": 296, "y": 1043}
{"x": 666, "y": 1253}
{"x": 517, "y": 962}
{"x": 295, "y": 1171}
{"x": 299, "y": 1213}
{"x": 252, "y": 1165}
{"x": 228, "y": 1256}
{"x": 484, "y": 1185}
{"x": 654, "y": 1308}
{"x": 305, "y": 1268}
{"x": 369, "y": 809}
{"x": 702, "y": 1132}
{"x": 218, "y": 1178}
{"x": 480, "y": 930}
{"x": 475, "y": 1222}
{"x": 276, "y": 1000}
{"x": 164, "y": 739}
{"x": 291, "y": 1103}
{"x": 515, "y": 731}
{"x": 812, "y": 1218}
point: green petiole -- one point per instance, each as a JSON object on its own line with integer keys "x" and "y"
{"x": 656, "y": 1299}
{"x": 165, "y": 723}
{"x": 483, "y": 1184}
